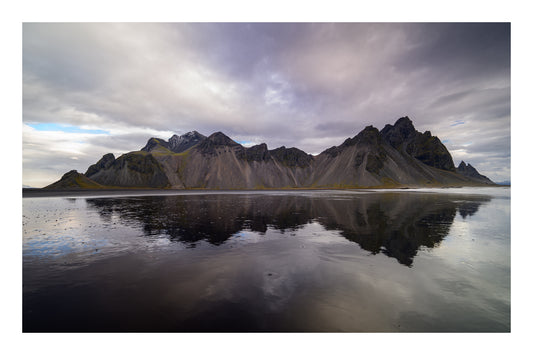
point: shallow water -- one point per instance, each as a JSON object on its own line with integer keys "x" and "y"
{"x": 416, "y": 261}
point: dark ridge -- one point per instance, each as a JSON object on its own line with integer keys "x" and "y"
{"x": 430, "y": 151}
{"x": 144, "y": 164}
{"x": 105, "y": 162}
{"x": 423, "y": 146}
{"x": 141, "y": 163}
{"x": 216, "y": 140}
{"x": 134, "y": 169}
{"x": 368, "y": 136}
{"x": 470, "y": 172}
{"x": 375, "y": 158}
{"x": 219, "y": 138}
{"x": 179, "y": 144}
{"x": 256, "y": 153}
{"x": 153, "y": 143}
{"x": 292, "y": 157}
{"x": 397, "y": 134}
{"x": 332, "y": 151}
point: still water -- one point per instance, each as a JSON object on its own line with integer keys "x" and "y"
{"x": 326, "y": 261}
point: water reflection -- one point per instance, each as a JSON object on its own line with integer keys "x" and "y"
{"x": 395, "y": 224}
{"x": 274, "y": 261}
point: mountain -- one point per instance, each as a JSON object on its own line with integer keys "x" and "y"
{"x": 134, "y": 169}
{"x": 220, "y": 162}
{"x": 396, "y": 156}
{"x": 176, "y": 144}
{"x": 426, "y": 148}
{"x": 470, "y": 172}
{"x": 180, "y": 144}
{"x": 74, "y": 180}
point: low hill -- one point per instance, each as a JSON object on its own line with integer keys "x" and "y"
{"x": 74, "y": 180}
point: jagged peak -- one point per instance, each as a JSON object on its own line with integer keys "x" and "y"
{"x": 369, "y": 129}
{"x": 220, "y": 138}
{"x": 261, "y": 146}
{"x": 258, "y": 152}
{"x": 293, "y": 149}
{"x": 218, "y": 134}
{"x": 292, "y": 157}
{"x": 403, "y": 120}
{"x": 405, "y": 126}
{"x": 466, "y": 169}
{"x": 103, "y": 163}
{"x": 369, "y": 134}
{"x": 192, "y": 134}
{"x": 153, "y": 142}
{"x": 464, "y": 165}
{"x": 156, "y": 140}
{"x": 402, "y": 128}
{"x": 217, "y": 139}
{"x": 179, "y": 144}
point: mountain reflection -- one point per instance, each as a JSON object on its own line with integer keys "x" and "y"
{"x": 395, "y": 224}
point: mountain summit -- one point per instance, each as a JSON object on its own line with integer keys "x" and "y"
{"x": 179, "y": 144}
{"x": 396, "y": 156}
{"x": 470, "y": 172}
{"x": 423, "y": 146}
{"x": 176, "y": 144}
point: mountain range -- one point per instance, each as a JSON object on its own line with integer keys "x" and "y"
{"x": 396, "y": 156}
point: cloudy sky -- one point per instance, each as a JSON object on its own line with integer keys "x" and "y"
{"x": 90, "y": 89}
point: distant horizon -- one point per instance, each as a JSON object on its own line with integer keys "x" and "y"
{"x": 96, "y": 88}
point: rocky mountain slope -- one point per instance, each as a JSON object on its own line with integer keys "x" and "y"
{"x": 470, "y": 172}
{"x": 424, "y": 147}
{"x": 396, "y": 156}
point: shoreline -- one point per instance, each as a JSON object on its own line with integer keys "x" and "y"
{"x": 42, "y": 192}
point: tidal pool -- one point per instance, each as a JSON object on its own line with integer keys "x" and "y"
{"x": 282, "y": 261}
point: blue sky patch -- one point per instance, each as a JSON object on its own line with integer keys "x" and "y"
{"x": 64, "y": 128}
{"x": 457, "y": 123}
{"x": 244, "y": 142}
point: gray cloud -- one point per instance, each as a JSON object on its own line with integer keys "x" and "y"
{"x": 309, "y": 85}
